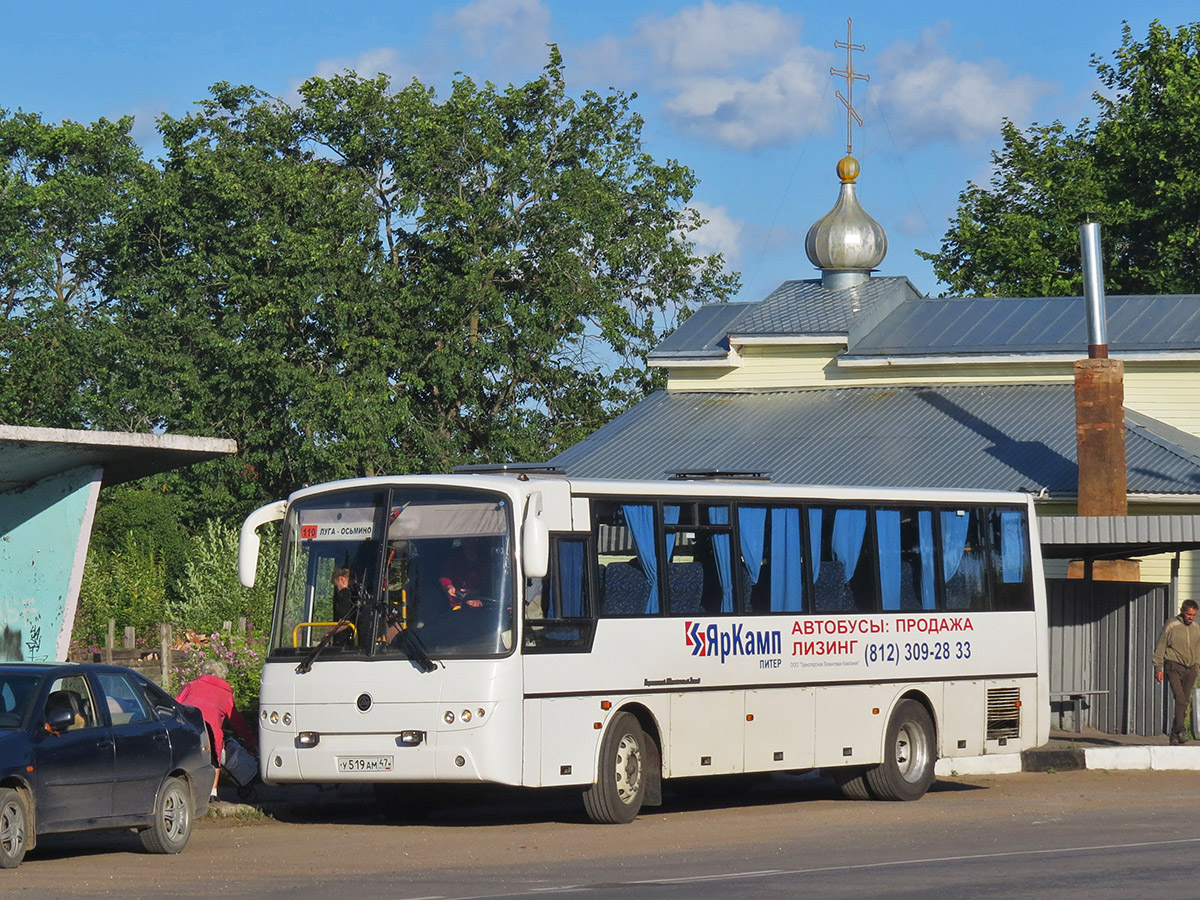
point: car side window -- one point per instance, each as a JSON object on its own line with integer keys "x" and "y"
{"x": 72, "y": 692}
{"x": 126, "y": 706}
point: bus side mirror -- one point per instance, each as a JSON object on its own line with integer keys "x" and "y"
{"x": 535, "y": 540}
{"x": 248, "y": 539}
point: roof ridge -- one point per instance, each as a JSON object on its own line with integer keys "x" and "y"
{"x": 1146, "y": 431}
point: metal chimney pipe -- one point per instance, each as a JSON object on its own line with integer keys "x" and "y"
{"x": 1093, "y": 289}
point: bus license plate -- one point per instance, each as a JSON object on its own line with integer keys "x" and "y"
{"x": 364, "y": 763}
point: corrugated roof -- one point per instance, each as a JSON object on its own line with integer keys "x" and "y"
{"x": 1006, "y": 437}
{"x": 1071, "y": 537}
{"x": 800, "y": 307}
{"x": 703, "y": 333}
{"x": 805, "y": 307}
{"x": 1020, "y": 325}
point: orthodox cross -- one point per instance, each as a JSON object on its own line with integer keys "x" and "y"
{"x": 851, "y": 76}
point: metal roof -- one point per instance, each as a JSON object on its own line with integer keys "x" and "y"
{"x": 1024, "y": 325}
{"x": 806, "y": 307}
{"x": 1116, "y": 537}
{"x": 801, "y": 307}
{"x": 1006, "y": 437}
{"x": 703, "y": 333}
{"x": 27, "y": 455}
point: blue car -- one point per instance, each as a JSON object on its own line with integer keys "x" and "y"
{"x": 93, "y": 747}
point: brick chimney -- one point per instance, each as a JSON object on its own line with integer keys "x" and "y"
{"x": 1099, "y": 398}
{"x": 1100, "y": 415}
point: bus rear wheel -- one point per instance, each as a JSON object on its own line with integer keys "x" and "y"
{"x": 853, "y": 782}
{"x": 909, "y": 755}
{"x": 620, "y": 788}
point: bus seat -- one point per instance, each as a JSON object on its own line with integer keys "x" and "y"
{"x": 830, "y": 593}
{"x": 626, "y": 590}
{"x": 685, "y": 584}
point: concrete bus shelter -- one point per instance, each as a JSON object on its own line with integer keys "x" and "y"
{"x": 50, "y": 480}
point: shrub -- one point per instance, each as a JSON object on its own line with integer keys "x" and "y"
{"x": 128, "y": 584}
{"x": 242, "y": 653}
{"x": 209, "y": 592}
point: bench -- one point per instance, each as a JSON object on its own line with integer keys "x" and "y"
{"x": 1076, "y": 698}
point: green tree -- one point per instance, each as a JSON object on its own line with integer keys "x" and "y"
{"x": 378, "y": 282}
{"x": 209, "y": 592}
{"x": 529, "y": 249}
{"x": 61, "y": 189}
{"x": 1136, "y": 170}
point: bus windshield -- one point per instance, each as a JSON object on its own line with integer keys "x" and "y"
{"x": 396, "y": 572}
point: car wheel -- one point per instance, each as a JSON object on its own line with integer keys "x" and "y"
{"x": 853, "y": 782}
{"x": 909, "y": 755}
{"x": 620, "y": 787}
{"x": 14, "y": 828}
{"x": 172, "y": 824}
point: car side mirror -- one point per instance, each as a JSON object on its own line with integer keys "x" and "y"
{"x": 60, "y": 719}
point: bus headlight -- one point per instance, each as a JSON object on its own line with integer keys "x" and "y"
{"x": 308, "y": 739}
{"x": 448, "y": 718}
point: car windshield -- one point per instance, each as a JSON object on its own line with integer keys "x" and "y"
{"x": 17, "y": 692}
{"x": 416, "y": 572}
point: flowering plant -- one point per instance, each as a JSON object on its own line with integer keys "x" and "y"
{"x": 242, "y": 653}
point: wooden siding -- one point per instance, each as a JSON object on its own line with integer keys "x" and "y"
{"x": 1169, "y": 392}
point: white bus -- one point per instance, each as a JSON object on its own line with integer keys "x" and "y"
{"x": 524, "y": 628}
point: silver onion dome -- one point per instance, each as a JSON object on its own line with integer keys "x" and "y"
{"x": 846, "y": 244}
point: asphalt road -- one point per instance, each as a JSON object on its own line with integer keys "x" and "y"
{"x": 1086, "y": 834}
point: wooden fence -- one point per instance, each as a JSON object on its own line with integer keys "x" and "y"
{"x": 156, "y": 663}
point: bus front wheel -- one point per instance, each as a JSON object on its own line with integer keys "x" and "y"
{"x": 621, "y": 779}
{"x": 909, "y": 755}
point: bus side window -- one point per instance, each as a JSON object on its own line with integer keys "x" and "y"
{"x": 1012, "y": 578}
{"x": 627, "y": 557}
{"x": 558, "y": 608}
{"x": 965, "y": 559}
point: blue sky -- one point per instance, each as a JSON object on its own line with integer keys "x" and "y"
{"x": 738, "y": 91}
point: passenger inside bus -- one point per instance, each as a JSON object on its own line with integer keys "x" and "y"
{"x": 344, "y": 609}
{"x": 458, "y": 597}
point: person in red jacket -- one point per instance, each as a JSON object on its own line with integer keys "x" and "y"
{"x": 213, "y": 696}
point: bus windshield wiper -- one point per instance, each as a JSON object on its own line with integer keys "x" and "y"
{"x": 360, "y": 601}
{"x": 412, "y": 645}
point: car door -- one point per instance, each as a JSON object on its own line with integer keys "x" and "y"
{"x": 143, "y": 749}
{"x": 73, "y": 767}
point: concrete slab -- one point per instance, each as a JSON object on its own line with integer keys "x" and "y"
{"x": 992, "y": 764}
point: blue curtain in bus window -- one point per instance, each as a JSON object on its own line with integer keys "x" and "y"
{"x": 925, "y": 528}
{"x": 1012, "y": 545}
{"x": 954, "y": 540}
{"x": 671, "y": 517}
{"x": 849, "y": 528}
{"x": 640, "y": 519}
{"x": 719, "y": 515}
{"x": 786, "y": 559}
{"x": 570, "y": 561}
{"x": 814, "y": 542}
{"x": 752, "y": 529}
{"x": 887, "y": 531}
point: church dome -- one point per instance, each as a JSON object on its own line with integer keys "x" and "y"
{"x": 846, "y": 239}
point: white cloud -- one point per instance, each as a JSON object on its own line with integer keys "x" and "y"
{"x": 779, "y": 108}
{"x": 928, "y": 96}
{"x": 721, "y": 233}
{"x": 367, "y": 64}
{"x": 710, "y": 38}
{"x": 734, "y": 74}
{"x": 514, "y": 31}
